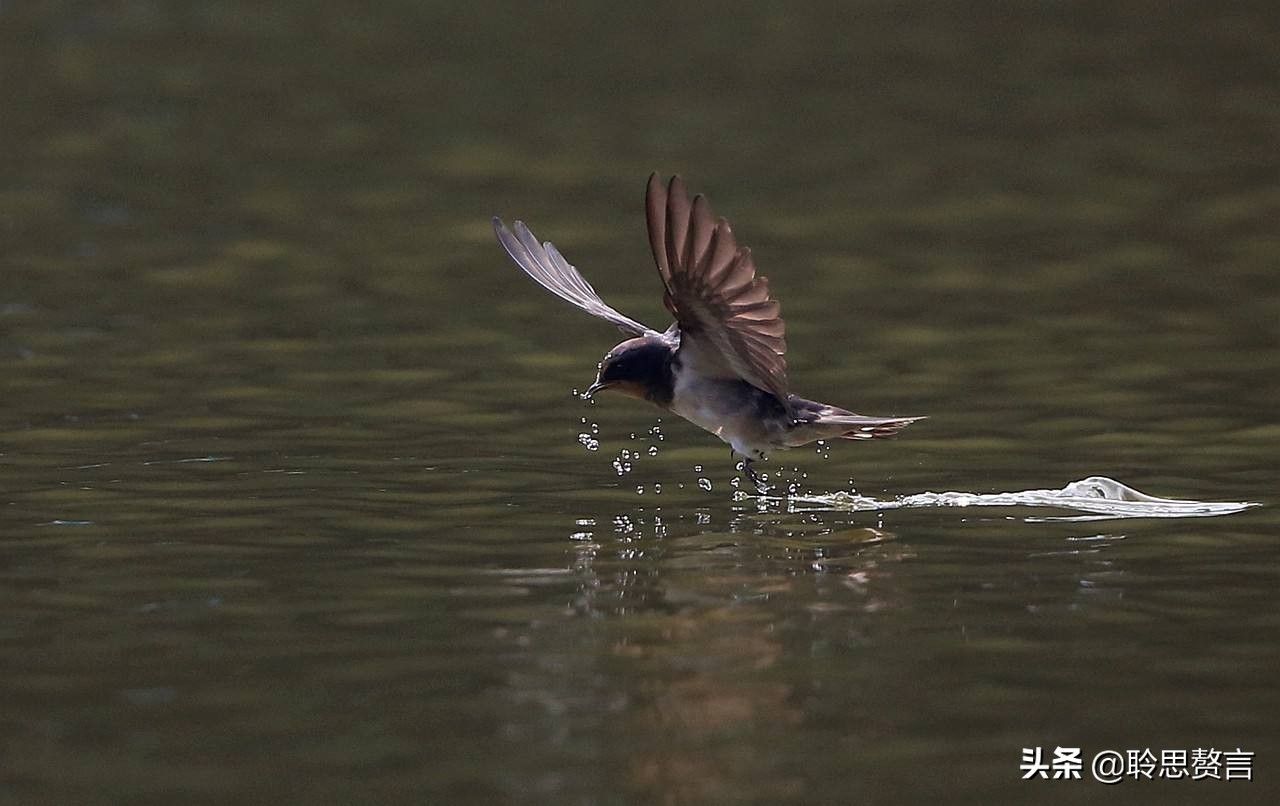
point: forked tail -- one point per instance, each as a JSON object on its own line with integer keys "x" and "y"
{"x": 869, "y": 427}
{"x": 816, "y": 420}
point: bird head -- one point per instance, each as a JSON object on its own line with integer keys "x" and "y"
{"x": 637, "y": 367}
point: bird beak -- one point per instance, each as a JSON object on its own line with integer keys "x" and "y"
{"x": 593, "y": 388}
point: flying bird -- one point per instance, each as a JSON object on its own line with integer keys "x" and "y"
{"x": 721, "y": 365}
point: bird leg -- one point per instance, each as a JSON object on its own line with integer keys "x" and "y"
{"x": 750, "y": 472}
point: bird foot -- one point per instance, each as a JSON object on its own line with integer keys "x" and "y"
{"x": 757, "y": 478}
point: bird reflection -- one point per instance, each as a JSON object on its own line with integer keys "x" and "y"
{"x": 700, "y": 625}
{"x": 697, "y": 641}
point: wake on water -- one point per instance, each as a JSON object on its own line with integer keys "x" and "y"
{"x": 1096, "y": 497}
{"x": 1099, "y": 497}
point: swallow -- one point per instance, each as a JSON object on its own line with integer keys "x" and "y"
{"x": 721, "y": 365}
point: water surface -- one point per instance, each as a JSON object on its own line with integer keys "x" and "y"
{"x": 292, "y": 496}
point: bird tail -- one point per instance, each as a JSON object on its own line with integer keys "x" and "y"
{"x": 855, "y": 426}
{"x": 816, "y": 420}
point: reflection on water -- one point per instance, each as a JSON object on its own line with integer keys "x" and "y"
{"x": 690, "y": 623}
{"x": 720, "y": 640}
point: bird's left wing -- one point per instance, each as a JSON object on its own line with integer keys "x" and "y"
{"x": 729, "y": 323}
{"x": 544, "y": 263}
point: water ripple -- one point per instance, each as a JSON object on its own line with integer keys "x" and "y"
{"x": 1102, "y": 498}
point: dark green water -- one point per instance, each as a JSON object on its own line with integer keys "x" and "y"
{"x": 292, "y": 502}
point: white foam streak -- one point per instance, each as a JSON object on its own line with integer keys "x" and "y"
{"x": 1101, "y": 497}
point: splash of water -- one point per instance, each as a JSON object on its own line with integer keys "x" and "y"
{"x": 1099, "y": 496}
{"x": 588, "y": 439}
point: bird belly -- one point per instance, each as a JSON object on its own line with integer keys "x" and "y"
{"x": 730, "y": 409}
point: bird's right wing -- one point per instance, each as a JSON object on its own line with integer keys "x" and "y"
{"x": 544, "y": 263}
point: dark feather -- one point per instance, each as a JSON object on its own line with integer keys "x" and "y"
{"x": 728, "y": 320}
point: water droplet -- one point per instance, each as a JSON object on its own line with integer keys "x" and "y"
{"x": 657, "y": 489}
{"x": 639, "y": 489}
{"x": 705, "y": 484}
{"x": 697, "y": 468}
{"x": 653, "y": 450}
{"x": 589, "y": 442}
